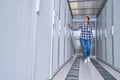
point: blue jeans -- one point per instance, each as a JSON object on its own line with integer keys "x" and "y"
{"x": 86, "y": 47}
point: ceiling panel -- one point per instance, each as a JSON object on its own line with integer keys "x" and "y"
{"x": 86, "y": 7}
{"x": 85, "y": 11}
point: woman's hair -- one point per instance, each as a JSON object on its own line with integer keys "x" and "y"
{"x": 88, "y": 19}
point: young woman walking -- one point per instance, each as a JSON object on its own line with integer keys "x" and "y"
{"x": 85, "y": 37}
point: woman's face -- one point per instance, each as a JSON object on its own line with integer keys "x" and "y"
{"x": 86, "y": 19}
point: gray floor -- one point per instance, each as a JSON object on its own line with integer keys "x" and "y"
{"x": 73, "y": 73}
{"x": 94, "y": 70}
{"x": 104, "y": 73}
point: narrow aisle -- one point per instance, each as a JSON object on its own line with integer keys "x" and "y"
{"x": 88, "y": 71}
{"x": 104, "y": 73}
{"x": 77, "y": 69}
{"x": 61, "y": 75}
{"x": 110, "y": 70}
{"x": 74, "y": 71}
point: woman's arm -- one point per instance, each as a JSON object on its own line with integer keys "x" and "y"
{"x": 91, "y": 33}
{"x": 74, "y": 29}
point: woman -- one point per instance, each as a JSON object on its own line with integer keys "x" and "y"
{"x": 85, "y": 37}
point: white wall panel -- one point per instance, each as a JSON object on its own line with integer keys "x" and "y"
{"x": 16, "y": 43}
{"x": 116, "y": 23}
{"x": 109, "y": 32}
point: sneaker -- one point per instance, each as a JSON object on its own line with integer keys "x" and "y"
{"x": 85, "y": 60}
{"x": 88, "y": 59}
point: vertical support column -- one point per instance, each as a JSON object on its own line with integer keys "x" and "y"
{"x": 52, "y": 40}
{"x": 35, "y": 9}
{"x": 59, "y": 32}
{"x": 105, "y": 37}
{"x": 95, "y": 38}
{"x": 64, "y": 29}
{"x": 112, "y": 35}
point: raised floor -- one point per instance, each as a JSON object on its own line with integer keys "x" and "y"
{"x": 77, "y": 69}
